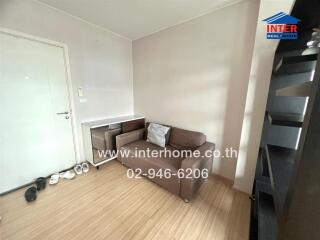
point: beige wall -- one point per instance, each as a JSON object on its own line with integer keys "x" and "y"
{"x": 100, "y": 61}
{"x": 195, "y": 75}
{"x": 257, "y": 95}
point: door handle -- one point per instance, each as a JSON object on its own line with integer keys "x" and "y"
{"x": 63, "y": 113}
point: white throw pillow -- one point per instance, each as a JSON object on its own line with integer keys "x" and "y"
{"x": 157, "y": 134}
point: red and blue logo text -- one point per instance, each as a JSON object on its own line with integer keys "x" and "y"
{"x": 282, "y": 26}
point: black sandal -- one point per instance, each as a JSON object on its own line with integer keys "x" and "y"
{"x": 31, "y": 194}
{"x": 41, "y": 183}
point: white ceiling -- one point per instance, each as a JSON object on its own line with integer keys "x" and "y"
{"x": 134, "y": 19}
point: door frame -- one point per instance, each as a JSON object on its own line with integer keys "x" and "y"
{"x": 64, "y": 47}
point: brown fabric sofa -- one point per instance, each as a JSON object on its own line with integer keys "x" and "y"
{"x": 178, "y": 140}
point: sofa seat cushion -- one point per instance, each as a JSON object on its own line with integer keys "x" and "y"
{"x": 145, "y": 163}
{"x": 185, "y": 139}
{"x": 173, "y": 163}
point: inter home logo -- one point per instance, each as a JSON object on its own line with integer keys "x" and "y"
{"x": 282, "y": 26}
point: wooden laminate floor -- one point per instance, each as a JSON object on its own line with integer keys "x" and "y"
{"x": 105, "y": 204}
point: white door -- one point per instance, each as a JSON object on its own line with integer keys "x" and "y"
{"x": 35, "y": 140}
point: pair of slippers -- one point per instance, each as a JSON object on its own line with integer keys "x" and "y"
{"x": 54, "y": 179}
{"x": 81, "y": 168}
{"x": 31, "y": 194}
{"x": 78, "y": 169}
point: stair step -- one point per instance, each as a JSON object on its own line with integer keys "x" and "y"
{"x": 298, "y": 90}
{"x": 296, "y": 64}
{"x": 285, "y": 119}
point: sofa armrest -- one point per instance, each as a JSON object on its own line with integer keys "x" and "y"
{"x": 126, "y": 138}
{"x": 129, "y": 137}
{"x": 189, "y": 186}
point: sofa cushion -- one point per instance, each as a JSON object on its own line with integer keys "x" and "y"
{"x": 167, "y": 135}
{"x": 157, "y": 134}
{"x": 168, "y": 161}
{"x": 145, "y": 163}
{"x": 132, "y": 125}
{"x": 186, "y": 140}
